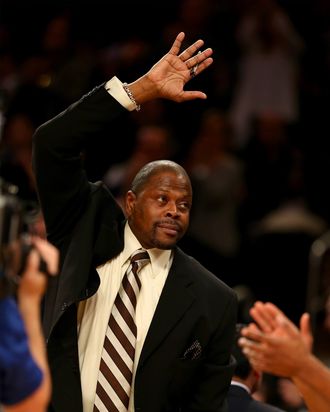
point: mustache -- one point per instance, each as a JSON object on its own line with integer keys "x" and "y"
{"x": 169, "y": 222}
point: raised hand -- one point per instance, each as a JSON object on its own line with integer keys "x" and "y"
{"x": 167, "y": 78}
{"x": 33, "y": 282}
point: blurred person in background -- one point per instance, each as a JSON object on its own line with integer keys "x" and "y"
{"x": 245, "y": 383}
{"x": 268, "y": 67}
{"x": 217, "y": 177}
{"x": 278, "y": 227}
{"x": 25, "y": 384}
{"x": 16, "y": 155}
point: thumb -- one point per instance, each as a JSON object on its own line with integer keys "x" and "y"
{"x": 306, "y": 331}
{"x": 32, "y": 262}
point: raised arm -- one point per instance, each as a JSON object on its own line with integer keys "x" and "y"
{"x": 62, "y": 184}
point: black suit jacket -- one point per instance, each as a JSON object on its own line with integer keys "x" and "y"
{"x": 84, "y": 221}
{"x": 239, "y": 400}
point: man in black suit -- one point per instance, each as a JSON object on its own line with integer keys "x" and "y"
{"x": 245, "y": 382}
{"x": 185, "y": 315}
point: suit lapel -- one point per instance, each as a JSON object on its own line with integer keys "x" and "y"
{"x": 177, "y": 296}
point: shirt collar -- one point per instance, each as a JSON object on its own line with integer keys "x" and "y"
{"x": 241, "y": 385}
{"x": 160, "y": 259}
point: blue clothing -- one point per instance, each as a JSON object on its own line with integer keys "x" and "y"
{"x": 20, "y": 376}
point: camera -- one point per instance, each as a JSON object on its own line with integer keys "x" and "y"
{"x": 15, "y": 243}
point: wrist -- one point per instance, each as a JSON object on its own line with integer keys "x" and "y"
{"x": 129, "y": 93}
{"x": 143, "y": 90}
{"x": 29, "y": 304}
{"x": 301, "y": 366}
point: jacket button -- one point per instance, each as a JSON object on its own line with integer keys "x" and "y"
{"x": 64, "y": 306}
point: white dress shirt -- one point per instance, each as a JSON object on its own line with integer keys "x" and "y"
{"x": 115, "y": 87}
{"x": 94, "y": 313}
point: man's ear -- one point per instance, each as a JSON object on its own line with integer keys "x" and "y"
{"x": 129, "y": 202}
{"x": 257, "y": 374}
{"x": 255, "y": 379}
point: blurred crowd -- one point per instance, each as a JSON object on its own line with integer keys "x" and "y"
{"x": 257, "y": 150}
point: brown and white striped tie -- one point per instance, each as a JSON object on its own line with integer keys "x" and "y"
{"x": 117, "y": 360}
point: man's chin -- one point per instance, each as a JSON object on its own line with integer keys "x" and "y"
{"x": 166, "y": 240}
{"x": 165, "y": 245}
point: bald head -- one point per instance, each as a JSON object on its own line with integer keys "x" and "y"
{"x": 158, "y": 204}
{"x": 156, "y": 167}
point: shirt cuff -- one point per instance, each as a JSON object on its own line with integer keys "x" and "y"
{"x": 115, "y": 87}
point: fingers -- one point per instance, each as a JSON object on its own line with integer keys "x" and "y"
{"x": 305, "y": 326}
{"x": 188, "y": 54}
{"x": 33, "y": 260}
{"x": 252, "y": 332}
{"x": 255, "y": 337}
{"x": 32, "y": 283}
{"x": 49, "y": 254}
{"x": 272, "y": 309}
{"x": 175, "y": 49}
{"x": 253, "y": 351}
{"x": 167, "y": 78}
{"x": 306, "y": 331}
{"x": 268, "y": 316}
{"x": 201, "y": 60}
{"x": 248, "y": 345}
{"x": 263, "y": 317}
{"x": 191, "y": 95}
{"x": 287, "y": 327}
{"x": 198, "y": 68}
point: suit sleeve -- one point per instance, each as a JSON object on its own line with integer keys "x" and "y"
{"x": 62, "y": 184}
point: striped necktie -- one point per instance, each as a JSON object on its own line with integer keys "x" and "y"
{"x": 117, "y": 360}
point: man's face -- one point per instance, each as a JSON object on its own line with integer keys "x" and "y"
{"x": 159, "y": 214}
